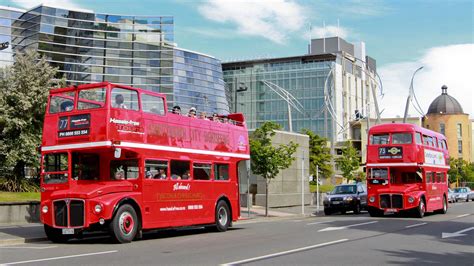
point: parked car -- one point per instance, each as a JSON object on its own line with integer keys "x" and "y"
{"x": 464, "y": 193}
{"x": 451, "y": 195}
{"x": 352, "y": 197}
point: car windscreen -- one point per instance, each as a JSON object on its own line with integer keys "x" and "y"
{"x": 344, "y": 190}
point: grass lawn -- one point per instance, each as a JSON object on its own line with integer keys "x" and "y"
{"x": 18, "y": 196}
{"x": 322, "y": 188}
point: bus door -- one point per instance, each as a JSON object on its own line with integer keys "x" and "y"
{"x": 158, "y": 198}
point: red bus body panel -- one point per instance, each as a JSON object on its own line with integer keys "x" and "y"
{"x": 142, "y": 136}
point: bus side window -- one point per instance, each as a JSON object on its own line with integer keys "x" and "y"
{"x": 221, "y": 171}
{"x": 153, "y": 104}
{"x": 429, "y": 178}
{"x": 180, "y": 170}
{"x": 201, "y": 171}
{"x": 124, "y": 169}
{"x": 444, "y": 145}
{"x": 418, "y": 138}
{"x": 156, "y": 169}
{"x": 124, "y": 99}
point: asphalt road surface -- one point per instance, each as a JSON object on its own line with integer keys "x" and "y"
{"x": 328, "y": 240}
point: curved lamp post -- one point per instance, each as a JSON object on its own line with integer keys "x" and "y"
{"x": 410, "y": 95}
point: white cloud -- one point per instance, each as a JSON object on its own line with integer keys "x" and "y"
{"x": 445, "y": 65}
{"x": 65, "y": 4}
{"x": 329, "y": 31}
{"x": 270, "y": 19}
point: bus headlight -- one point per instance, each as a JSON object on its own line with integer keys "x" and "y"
{"x": 411, "y": 199}
{"x": 98, "y": 208}
{"x": 45, "y": 209}
{"x": 372, "y": 199}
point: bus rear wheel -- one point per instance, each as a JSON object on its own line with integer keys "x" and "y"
{"x": 223, "y": 218}
{"x": 444, "y": 210}
{"x": 55, "y": 235}
{"x": 124, "y": 225}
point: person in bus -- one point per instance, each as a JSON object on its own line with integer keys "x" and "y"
{"x": 66, "y": 106}
{"x": 203, "y": 116}
{"x": 119, "y": 102}
{"x": 176, "y": 110}
{"x": 192, "y": 112}
{"x": 119, "y": 175}
{"x": 186, "y": 175}
{"x": 215, "y": 117}
{"x": 148, "y": 175}
{"x": 161, "y": 174}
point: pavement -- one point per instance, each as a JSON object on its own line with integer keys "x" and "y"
{"x": 12, "y": 234}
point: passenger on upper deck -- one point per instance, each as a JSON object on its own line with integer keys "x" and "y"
{"x": 203, "y": 116}
{"x": 192, "y": 112}
{"x": 119, "y": 102}
{"x": 215, "y": 117}
{"x": 66, "y": 106}
{"x": 176, "y": 110}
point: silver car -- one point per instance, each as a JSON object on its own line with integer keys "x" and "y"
{"x": 464, "y": 193}
{"x": 451, "y": 195}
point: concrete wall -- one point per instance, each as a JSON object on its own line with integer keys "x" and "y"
{"x": 19, "y": 212}
{"x": 285, "y": 189}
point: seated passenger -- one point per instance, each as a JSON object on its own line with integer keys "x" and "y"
{"x": 186, "y": 175}
{"x": 192, "y": 112}
{"x": 119, "y": 175}
{"x": 215, "y": 117}
{"x": 176, "y": 110}
{"x": 119, "y": 102}
{"x": 148, "y": 175}
{"x": 161, "y": 174}
{"x": 175, "y": 177}
{"x": 203, "y": 115}
{"x": 66, "y": 106}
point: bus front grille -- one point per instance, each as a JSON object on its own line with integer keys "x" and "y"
{"x": 391, "y": 201}
{"x": 69, "y": 213}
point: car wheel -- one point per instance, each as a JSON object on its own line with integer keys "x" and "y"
{"x": 357, "y": 208}
{"x": 223, "y": 218}
{"x": 343, "y": 211}
{"x": 124, "y": 225}
{"x": 327, "y": 211}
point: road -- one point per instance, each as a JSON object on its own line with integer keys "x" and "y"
{"x": 328, "y": 240}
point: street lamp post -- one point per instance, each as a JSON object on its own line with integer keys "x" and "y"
{"x": 410, "y": 95}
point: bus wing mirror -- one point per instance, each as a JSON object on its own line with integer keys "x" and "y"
{"x": 117, "y": 153}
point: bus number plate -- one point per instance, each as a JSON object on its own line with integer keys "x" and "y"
{"x": 68, "y": 231}
{"x": 391, "y": 210}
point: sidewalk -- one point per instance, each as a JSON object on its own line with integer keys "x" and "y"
{"x": 11, "y": 234}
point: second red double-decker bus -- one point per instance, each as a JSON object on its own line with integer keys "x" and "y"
{"x": 114, "y": 158}
{"x": 407, "y": 169}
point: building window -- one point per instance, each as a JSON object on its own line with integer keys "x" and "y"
{"x": 441, "y": 128}
{"x": 459, "y": 130}
{"x": 460, "y": 147}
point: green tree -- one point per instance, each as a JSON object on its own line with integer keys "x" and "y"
{"x": 349, "y": 161}
{"x": 24, "y": 90}
{"x": 267, "y": 159}
{"x": 319, "y": 154}
{"x": 460, "y": 171}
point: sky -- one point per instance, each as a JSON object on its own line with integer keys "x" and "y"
{"x": 402, "y": 35}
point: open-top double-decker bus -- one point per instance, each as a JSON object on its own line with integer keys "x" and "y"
{"x": 114, "y": 158}
{"x": 407, "y": 169}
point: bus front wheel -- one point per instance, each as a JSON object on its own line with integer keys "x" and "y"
{"x": 223, "y": 218}
{"x": 124, "y": 225}
{"x": 421, "y": 209}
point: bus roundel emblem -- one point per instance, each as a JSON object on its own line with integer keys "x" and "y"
{"x": 394, "y": 150}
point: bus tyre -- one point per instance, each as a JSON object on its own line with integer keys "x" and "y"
{"x": 124, "y": 225}
{"x": 357, "y": 208}
{"x": 445, "y": 206}
{"x": 223, "y": 218}
{"x": 55, "y": 235}
{"x": 421, "y": 209}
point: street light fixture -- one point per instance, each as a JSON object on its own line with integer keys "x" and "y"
{"x": 410, "y": 95}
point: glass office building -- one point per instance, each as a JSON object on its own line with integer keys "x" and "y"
{"x": 137, "y": 51}
{"x": 7, "y": 16}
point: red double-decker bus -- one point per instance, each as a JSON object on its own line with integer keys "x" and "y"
{"x": 407, "y": 169}
{"x": 114, "y": 158}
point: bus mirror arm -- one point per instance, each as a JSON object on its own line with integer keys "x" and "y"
{"x": 117, "y": 153}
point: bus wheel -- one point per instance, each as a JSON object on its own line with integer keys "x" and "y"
{"x": 124, "y": 225}
{"x": 420, "y": 211}
{"x": 223, "y": 218}
{"x": 55, "y": 235}
{"x": 445, "y": 206}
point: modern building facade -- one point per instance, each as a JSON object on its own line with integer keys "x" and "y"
{"x": 446, "y": 116}
{"x": 327, "y": 88}
{"x": 138, "y": 51}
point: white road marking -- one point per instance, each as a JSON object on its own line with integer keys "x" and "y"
{"x": 462, "y": 215}
{"x": 60, "y": 258}
{"x": 344, "y": 227}
{"x": 415, "y": 225}
{"x": 323, "y": 222}
{"x": 285, "y": 252}
{"x": 456, "y": 234}
{"x": 45, "y": 247}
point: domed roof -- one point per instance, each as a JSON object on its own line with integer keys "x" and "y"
{"x": 445, "y": 104}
